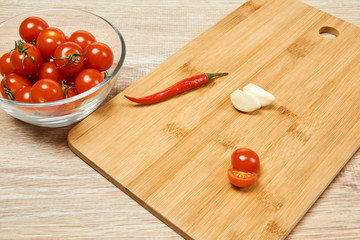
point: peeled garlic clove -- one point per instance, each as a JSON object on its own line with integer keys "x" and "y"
{"x": 244, "y": 102}
{"x": 264, "y": 97}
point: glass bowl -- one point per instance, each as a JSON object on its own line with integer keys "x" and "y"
{"x": 70, "y": 110}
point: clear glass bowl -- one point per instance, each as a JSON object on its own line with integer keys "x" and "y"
{"x": 66, "y": 111}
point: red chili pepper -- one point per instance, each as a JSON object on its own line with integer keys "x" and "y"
{"x": 177, "y": 88}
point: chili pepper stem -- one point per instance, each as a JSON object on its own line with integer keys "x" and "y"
{"x": 212, "y": 75}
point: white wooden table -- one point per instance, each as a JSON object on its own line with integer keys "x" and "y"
{"x": 47, "y": 192}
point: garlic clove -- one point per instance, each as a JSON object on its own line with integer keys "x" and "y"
{"x": 244, "y": 102}
{"x": 265, "y": 98}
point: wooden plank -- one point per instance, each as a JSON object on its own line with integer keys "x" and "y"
{"x": 172, "y": 157}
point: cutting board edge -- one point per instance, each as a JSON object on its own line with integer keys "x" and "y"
{"x": 129, "y": 193}
{"x": 321, "y": 192}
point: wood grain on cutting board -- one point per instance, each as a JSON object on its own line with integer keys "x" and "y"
{"x": 172, "y": 157}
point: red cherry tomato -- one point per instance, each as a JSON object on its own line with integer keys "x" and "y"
{"x": 23, "y": 95}
{"x": 70, "y": 92}
{"x": 246, "y": 160}
{"x": 33, "y": 78}
{"x": 26, "y": 59}
{"x": 245, "y": 166}
{"x": 31, "y": 27}
{"x": 50, "y": 71}
{"x": 70, "y": 81}
{"x": 99, "y": 56}
{"x": 5, "y": 66}
{"x": 87, "y": 79}
{"x": 12, "y": 84}
{"x": 67, "y": 108}
{"x": 46, "y": 90}
{"x": 83, "y": 38}
{"x": 68, "y": 58}
{"x": 48, "y": 40}
{"x": 241, "y": 179}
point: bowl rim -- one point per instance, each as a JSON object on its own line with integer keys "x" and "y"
{"x": 86, "y": 93}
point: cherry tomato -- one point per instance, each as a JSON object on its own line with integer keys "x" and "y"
{"x": 241, "y": 179}
{"x": 70, "y": 92}
{"x": 49, "y": 70}
{"x": 245, "y": 166}
{"x": 33, "y": 78}
{"x": 83, "y": 38}
{"x": 87, "y": 79}
{"x": 70, "y": 81}
{"x": 99, "y": 56}
{"x": 23, "y": 95}
{"x": 5, "y": 66}
{"x": 67, "y": 108}
{"x": 68, "y": 58}
{"x": 26, "y": 59}
{"x": 31, "y": 27}
{"x": 70, "y": 106}
{"x": 13, "y": 83}
{"x": 48, "y": 40}
{"x": 246, "y": 160}
{"x": 46, "y": 90}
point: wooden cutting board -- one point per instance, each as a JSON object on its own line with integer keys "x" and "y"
{"x": 172, "y": 157}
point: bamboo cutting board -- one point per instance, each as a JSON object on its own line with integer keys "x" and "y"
{"x": 172, "y": 157}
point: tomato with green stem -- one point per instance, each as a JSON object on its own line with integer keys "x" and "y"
{"x": 48, "y": 40}
{"x": 11, "y": 84}
{"x": 99, "y": 56}
{"x": 69, "y": 59}
{"x": 5, "y": 65}
{"x": 69, "y": 91}
{"x": 30, "y": 28}
{"x": 68, "y": 108}
{"x": 26, "y": 58}
{"x": 88, "y": 79}
{"x": 245, "y": 166}
{"x": 83, "y": 38}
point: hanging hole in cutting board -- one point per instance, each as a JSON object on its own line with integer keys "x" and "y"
{"x": 328, "y": 32}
